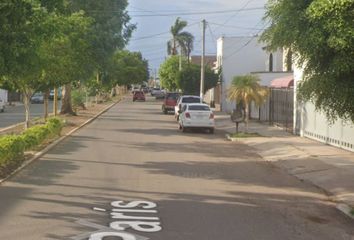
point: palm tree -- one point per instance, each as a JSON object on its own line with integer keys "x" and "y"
{"x": 180, "y": 38}
{"x": 245, "y": 89}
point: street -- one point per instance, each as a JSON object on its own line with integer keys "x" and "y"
{"x": 16, "y": 114}
{"x": 191, "y": 186}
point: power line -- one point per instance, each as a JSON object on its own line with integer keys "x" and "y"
{"x": 158, "y": 34}
{"x": 195, "y": 13}
{"x": 211, "y": 33}
{"x": 236, "y": 27}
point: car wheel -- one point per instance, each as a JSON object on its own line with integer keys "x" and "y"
{"x": 165, "y": 111}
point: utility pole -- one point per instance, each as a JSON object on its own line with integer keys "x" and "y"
{"x": 202, "y": 64}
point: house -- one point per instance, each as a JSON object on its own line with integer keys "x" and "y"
{"x": 244, "y": 55}
{"x": 209, "y": 60}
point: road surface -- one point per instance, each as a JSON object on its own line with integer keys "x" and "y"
{"x": 132, "y": 175}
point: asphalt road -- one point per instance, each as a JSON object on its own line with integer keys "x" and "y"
{"x": 196, "y": 186}
{"x": 16, "y": 114}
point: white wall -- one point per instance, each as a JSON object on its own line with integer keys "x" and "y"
{"x": 3, "y": 95}
{"x": 240, "y": 56}
{"x": 313, "y": 124}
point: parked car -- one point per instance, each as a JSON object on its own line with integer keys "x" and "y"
{"x": 155, "y": 91}
{"x": 139, "y": 96}
{"x": 196, "y": 115}
{"x": 37, "y": 98}
{"x": 169, "y": 102}
{"x": 160, "y": 94}
{"x": 51, "y": 94}
{"x": 183, "y": 100}
{"x": 135, "y": 89}
{"x": 2, "y": 105}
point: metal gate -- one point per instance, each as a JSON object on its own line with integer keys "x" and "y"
{"x": 278, "y": 109}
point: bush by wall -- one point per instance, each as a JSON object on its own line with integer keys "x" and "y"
{"x": 12, "y": 147}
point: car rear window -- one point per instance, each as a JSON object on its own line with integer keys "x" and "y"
{"x": 191, "y": 100}
{"x": 198, "y": 108}
{"x": 172, "y": 96}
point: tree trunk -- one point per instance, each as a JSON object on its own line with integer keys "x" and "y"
{"x": 66, "y": 106}
{"x": 97, "y": 90}
{"x": 55, "y": 102}
{"x": 26, "y": 101}
{"x": 46, "y": 99}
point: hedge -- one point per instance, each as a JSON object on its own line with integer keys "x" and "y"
{"x": 12, "y": 147}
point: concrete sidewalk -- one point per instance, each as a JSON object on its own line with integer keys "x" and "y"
{"x": 327, "y": 167}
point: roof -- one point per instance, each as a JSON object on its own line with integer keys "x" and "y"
{"x": 283, "y": 82}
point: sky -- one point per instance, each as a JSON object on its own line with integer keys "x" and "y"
{"x": 224, "y": 18}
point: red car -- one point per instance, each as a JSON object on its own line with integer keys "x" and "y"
{"x": 139, "y": 96}
{"x": 169, "y": 102}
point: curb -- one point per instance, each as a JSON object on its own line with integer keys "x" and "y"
{"x": 53, "y": 144}
{"x": 346, "y": 209}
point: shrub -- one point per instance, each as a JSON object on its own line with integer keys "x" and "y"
{"x": 12, "y": 147}
{"x": 78, "y": 99}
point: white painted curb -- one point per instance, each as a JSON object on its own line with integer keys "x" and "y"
{"x": 53, "y": 144}
{"x": 344, "y": 208}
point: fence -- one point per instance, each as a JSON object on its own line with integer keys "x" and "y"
{"x": 278, "y": 108}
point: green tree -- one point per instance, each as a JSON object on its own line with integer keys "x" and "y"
{"x": 111, "y": 28}
{"x": 168, "y": 72}
{"x": 68, "y": 54}
{"x": 128, "y": 68}
{"x": 180, "y": 38}
{"x": 321, "y": 35}
{"x": 22, "y": 68}
{"x": 188, "y": 80}
{"x": 246, "y": 89}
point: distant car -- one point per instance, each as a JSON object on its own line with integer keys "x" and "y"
{"x": 145, "y": 89}
{"x": 196, "y": 115}
{"x": 169, "y": 102}
{"x": 155, "y": 91}
{"x": 139, "y": 96}
{"x": 2, "y": 106}
{"x": 37, "y": 98}
{"x": 51, "y": 94}
{"x": 160, "y": 94}
{"x": 183, "y": 100}
{"x": 135, "y": 89}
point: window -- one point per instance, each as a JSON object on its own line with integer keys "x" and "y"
{"x": 198, "y": 108}
{"x": 191, "y": 100}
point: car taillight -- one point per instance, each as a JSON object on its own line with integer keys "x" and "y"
{"x": 187, "y": 115}
{"x": 211, "y": 116}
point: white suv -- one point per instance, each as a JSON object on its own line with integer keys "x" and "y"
{"x": 2, "y": 106}
{"x": 183, "y": 100}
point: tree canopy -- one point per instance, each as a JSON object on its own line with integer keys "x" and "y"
{"x": 188, "y": 80}
{"x": 180, "y": 38}
{"x": 321, "y": 35}
{"x": 168, "y": 72}
{"x": 128, "y": 68}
